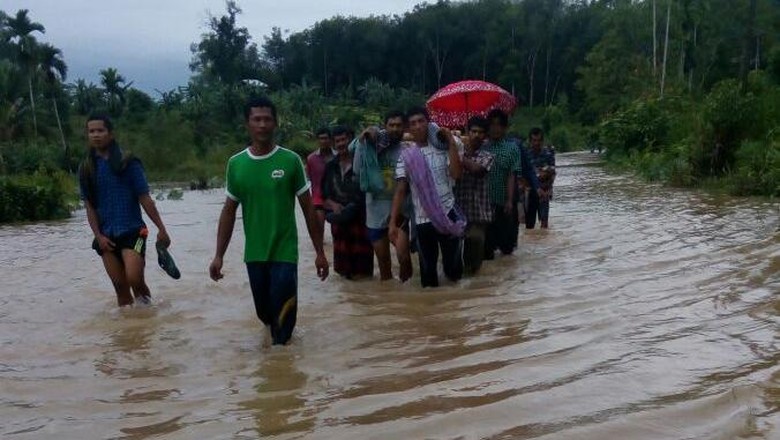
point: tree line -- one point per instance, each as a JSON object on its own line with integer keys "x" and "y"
{"x": 681, "y": 87}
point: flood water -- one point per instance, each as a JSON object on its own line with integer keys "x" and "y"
{"x": 643, "y": 313}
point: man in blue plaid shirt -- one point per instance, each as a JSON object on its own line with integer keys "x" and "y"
{"x": 114, "y": 189}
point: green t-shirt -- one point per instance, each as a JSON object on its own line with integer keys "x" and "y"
{"x": 266, "y": 188}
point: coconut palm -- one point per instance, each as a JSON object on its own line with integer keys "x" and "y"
{"x": 114, "y": 87}
{"x": 54, "y": 70}
{"x": 86, "y": 97}
{"x": 19, "y": 30}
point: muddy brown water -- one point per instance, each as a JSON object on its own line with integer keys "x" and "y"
{"x": 644, "y": 313}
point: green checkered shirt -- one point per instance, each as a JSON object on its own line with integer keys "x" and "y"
{"x": 507, "y": 161}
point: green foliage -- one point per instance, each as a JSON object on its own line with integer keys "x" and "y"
{"x": 729, "y": 116}
{"x": 774, "y": 65}
{"x": 225, "y": 54}
{"x": 561, "y": 138}
{"x": 38, "y": 196}
{"x": 27, "y": 158}
{"x": 643, "y": 125}
{"x": 683, "y": 142}
{"x": 139, "y": 104}
{"x": 758, "y": 168}
{"x": 553, "y": 116}
{"x": 163, "y": 142}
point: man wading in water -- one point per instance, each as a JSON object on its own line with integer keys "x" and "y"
{"x": 265, "y": 179}
{"x": 427, "y": 173}
{"x": 114, "y": 188}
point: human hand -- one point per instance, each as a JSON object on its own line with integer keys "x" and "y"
{"x": 508, "y": 207}
{"x": 215, "y": 269}
{"x": 392, "y": 233}
{"x": 162, "y": 237}
{"x": 370, "y": 134}
{"x": 445, "y": 135}
{"x": 321, "y": 263}
{"x": 104, "y": 244}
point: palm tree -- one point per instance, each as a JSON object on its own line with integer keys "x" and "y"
{"x": 54, "y": 70}
{"x": 114, "y": 87}
{"x": 20, "y": 29}
{"x": 10, "y": 103}
{"x": 86, "y": 97}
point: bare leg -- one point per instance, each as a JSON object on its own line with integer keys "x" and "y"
{"x": 382, "y": 251}
{"x": 402, "y": 251}
{"x": 115, "y": 269}
{"x": 134, "y": 271}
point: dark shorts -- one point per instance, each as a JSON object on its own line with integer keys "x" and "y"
{"x": 135, "y": 240}
{"x": 275, "y": 292}
{"x": 376, "y": 234}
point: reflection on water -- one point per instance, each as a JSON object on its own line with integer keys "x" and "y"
{"x": 644, "y": 313}
{"x": 277, "y": 404}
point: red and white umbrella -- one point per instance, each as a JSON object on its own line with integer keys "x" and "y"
{"x": 452, "y": 105}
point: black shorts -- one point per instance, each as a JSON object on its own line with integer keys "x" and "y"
{"x": 135, "y": 240}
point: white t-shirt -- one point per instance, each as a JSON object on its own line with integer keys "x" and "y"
{"x": 438, "y": 162}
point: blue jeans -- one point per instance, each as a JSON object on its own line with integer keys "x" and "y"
{"x": 275, "y": 292}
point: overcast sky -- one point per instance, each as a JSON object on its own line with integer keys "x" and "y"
{"x": 148, "y": 40}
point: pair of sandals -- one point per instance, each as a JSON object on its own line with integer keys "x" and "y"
{"x": 165, "y": 260}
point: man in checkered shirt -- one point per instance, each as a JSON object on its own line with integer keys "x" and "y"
{"x": 472, "y": 196}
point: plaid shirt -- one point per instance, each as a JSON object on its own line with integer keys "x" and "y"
{"x": 118, "y": 208}
{"x": 507, "y": 161}
{"x": 471, "y": 192}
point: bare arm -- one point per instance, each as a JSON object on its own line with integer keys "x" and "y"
{"x": 92, "y": 218}
{"x": 510, "y": 192}
{"x": 104, "y": 244}
{"x": 227, "y": 220}
{"x": 398, "y": 200}
{"x": 151, "y": 210}
{"x": 455, "y": 167}
{"x": 321, "y": 262}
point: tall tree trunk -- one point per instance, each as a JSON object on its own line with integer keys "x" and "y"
{"x": 325, "y": 71}
{"x": 655, "y": 43}
{"x": 748, "y": 42}
{"x": 439, "y": 58}
{"x": 547, "y": 75}
{"x": 555, "y": 88}
{"x": 59, "y": 126}
{"x": 666, "y": 47}
{"x": 758, "y": 52}
{"x": 531, "y": 67}
{"x": 690, "y": 73}
{"x": 484, "y": 63}
{"x": 32, "y": 106}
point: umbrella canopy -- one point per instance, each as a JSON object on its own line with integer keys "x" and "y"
{"x": 455, "y": 103}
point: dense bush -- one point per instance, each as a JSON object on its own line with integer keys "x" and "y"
{"x": 729, "y": 117}
{"x": 731, "y": 134}
{"x": 758, "y": 168}
{"x": 26, "y": 158}
{"x": 38, "y": 196}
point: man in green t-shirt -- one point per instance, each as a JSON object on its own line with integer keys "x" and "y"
{"x": 265, "y": 179}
